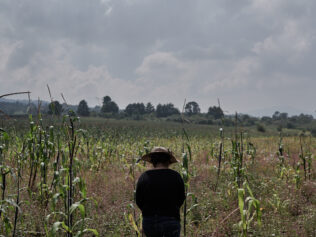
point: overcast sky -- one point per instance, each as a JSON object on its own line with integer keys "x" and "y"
{"x": 251, "y": 54}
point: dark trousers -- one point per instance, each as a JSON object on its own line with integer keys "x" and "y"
{"x": 161, "y": 226}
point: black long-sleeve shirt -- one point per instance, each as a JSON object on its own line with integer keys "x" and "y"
{"x": 160, "y": 192}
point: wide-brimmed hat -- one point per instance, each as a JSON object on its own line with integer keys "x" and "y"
{"x": 159, "y": 150}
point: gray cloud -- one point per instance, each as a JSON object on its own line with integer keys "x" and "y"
{"x": 249, "y": 53}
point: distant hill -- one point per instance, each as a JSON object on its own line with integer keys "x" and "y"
{"x": 21, "y": 107}
{"x": 23, "y": 101}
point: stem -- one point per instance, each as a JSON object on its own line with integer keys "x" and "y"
{"x": 219, "y": 164}
{"x": 3, "y": 188}
{"x": 15, "y": 93}
{"x": 18, "y": 194}
{"x": 303, "y": 157}
{"x": 185, "y": 214}
{"x": 71, "y": 144}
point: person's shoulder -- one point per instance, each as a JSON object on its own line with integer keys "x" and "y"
{"x": 143, "y": 176}
{"x": 174, "y": 173}
{"x": 161, "y": 171}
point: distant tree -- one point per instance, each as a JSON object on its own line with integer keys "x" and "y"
{"x": 106, "y": 99}
{"x": 149, "y": 108}
{"x": 294, "y": 119}
{"x": 248, "y": 120}
{"x": 245, "y": 117}
{"x": 276, "y": 115}
{"x": 305, "y": 118}
{"x": 266, "y": 119}
{"x": 135, "y": 109}
{"x": 192, "y": 108}
{"x": 109, "y": 106}
{"x": 55, "y": 108}
{"x": 216, "y": 112}
{"x": 283, "y": 116}
{"x": 97, "y": 108}
{"x": 83, "y": 109}
{"x": 166, "y": 110}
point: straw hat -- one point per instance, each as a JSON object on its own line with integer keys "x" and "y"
{"x": 159, "y": 150}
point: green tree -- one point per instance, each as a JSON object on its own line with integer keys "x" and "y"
{"x": 83, "y": 109}
{"x": 109, "y": 106}
{"x": 276, "y": 115}
{"x": 149, "y": 108}
{"x": 106, "y": 99}
{"x": 192, "y": 108}
{"x": 305, "y": 118}
{"x": 216, "y": 112}
{"x": 135, "y": 109}
{"x": 55, "y": 108}
{"x": 166, "y": 110}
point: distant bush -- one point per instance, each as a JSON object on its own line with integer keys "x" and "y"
{"x": 290, "y": 125}
{"x": 313, "y": 132}
{"x": 261, "y": 128}
{"x": 279, "y": 128}
{"x": 226, "y": 122}
{"x": 208, "y": 121}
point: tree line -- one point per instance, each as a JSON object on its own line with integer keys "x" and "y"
{"x": 110, "y": 107}
{"x": 192, "y": 112}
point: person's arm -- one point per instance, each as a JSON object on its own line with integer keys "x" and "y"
{"x": 140, "y": 192}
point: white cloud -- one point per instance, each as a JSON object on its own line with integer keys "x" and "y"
{"x": 290, "y": 41}
{"x": 62, "y": 77}
{"x": 161, "y": 51}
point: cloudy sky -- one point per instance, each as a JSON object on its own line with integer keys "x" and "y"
{"x": 252, "y": 54}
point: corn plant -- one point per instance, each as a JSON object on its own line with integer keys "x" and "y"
{"x": 303, "y": 156}
{"x": 19, "y": 160}
{"x": 251, "y": 150}
{"x": 309, "y": 158}
{"x": 220, "y": 156}
{"x": 6, "y": 204}
{"x": 130, "y": 219}
{"x": 186, "y": 158}
{"x": 297, "y": 176}
{"x": 280, "y": 154}
{"x": 68, "y": 188}
{"x": 237, "y": 160}
{"x": 249, "y": 210}
{"x": 133, "y": 220}
{"x": 4, "y": 170}
{"x": 221, "y": 149}
{"x": 277, "y": 203}
{"x": 185, "y": 176}
{"x": 196, "y": 216}
{"x": 237, "y": 155}
{"x": 306, "y": 155}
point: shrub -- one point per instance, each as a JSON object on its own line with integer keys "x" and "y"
{"x": 260, "y": 128}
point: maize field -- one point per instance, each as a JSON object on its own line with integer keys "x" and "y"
{"x": 70, "y": 176}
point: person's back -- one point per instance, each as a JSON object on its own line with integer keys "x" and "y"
{"x": 160, "y": 193}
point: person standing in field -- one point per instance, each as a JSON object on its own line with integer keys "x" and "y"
{"x": 159, "y": 194}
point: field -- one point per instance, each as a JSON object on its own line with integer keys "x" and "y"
{"x": 63, "y": 176}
